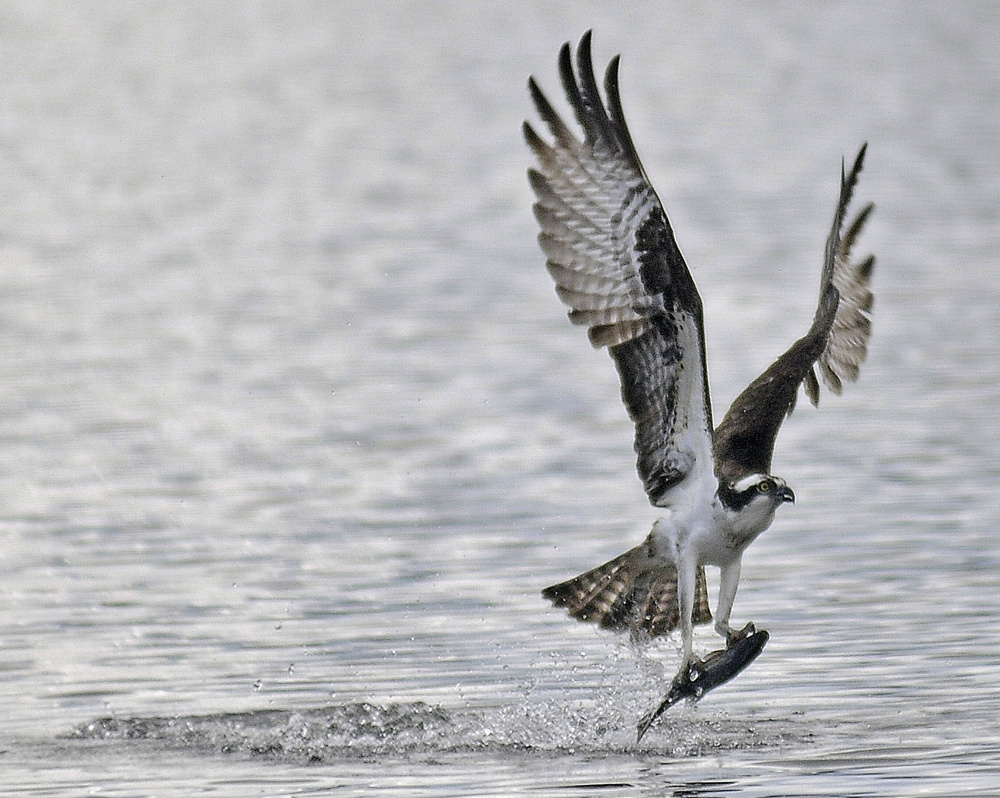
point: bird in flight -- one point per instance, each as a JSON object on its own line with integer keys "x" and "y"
{"x": 611, "y": 251}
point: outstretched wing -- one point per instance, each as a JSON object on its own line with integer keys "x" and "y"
{"x": 616, "y": 265}
{"x": 847, "y": 346}
{"x": 835, "y": 345}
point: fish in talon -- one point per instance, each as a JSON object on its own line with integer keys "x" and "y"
{"x": 696, "y": 679}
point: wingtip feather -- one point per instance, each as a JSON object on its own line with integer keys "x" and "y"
{"x": 847, "y": 343}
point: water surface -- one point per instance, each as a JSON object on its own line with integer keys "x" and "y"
{"x": 294, "y": 429}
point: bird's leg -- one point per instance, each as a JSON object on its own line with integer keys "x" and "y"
{"x": 686, "y": 576}
{"x": 729, "y": 578}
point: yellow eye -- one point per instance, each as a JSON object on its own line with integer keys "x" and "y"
{"x": 766, "y": 486}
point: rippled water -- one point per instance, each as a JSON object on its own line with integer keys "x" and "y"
{"x": 294, "y": 429}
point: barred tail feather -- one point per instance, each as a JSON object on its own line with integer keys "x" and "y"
{"x": 632, "y": 592}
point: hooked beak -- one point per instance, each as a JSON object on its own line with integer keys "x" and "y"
{"x": 786, "y": 495}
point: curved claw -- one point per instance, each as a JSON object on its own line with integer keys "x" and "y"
{"x": 734, "y": 637}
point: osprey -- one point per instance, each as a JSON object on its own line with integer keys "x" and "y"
{"x": 612, "y": 253}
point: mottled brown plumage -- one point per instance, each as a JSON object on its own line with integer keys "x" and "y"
{"x": 631, "y": 592}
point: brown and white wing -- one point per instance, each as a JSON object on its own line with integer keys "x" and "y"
{"x": 847, "y": 345}
{"x": 836, "y": 345}
{"x": 612, "y": 254}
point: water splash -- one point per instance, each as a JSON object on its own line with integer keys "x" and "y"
{"x": 363, "y": 730}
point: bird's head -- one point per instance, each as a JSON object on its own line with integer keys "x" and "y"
{"x": 759, "y": 490}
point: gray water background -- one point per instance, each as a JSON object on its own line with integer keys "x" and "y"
{"x": 292, "y": 421}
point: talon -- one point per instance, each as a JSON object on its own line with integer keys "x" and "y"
{"x": 735, "y": 637}
{"x": 690, "y": 671}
